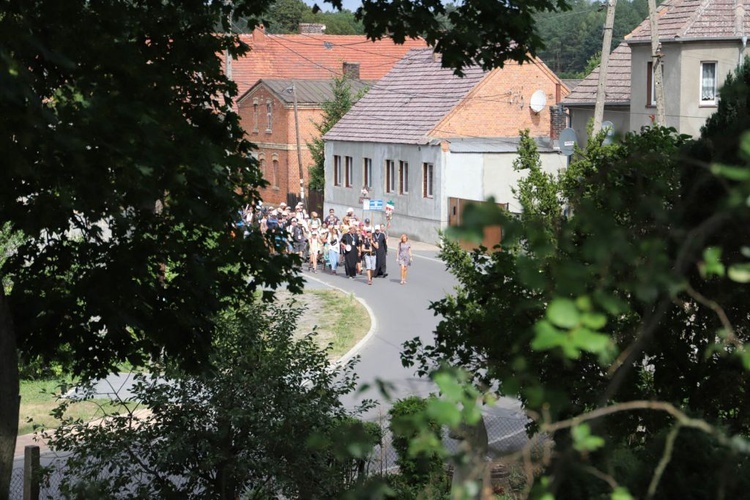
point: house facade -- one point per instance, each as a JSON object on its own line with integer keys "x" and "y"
{"x": 278, "y": 62}
{"x": 429, "y": 142}
{"x": 268, "y": 116}
{"x": 701, "y": 42}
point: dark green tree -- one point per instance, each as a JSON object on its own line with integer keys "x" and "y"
{"x": 343, "y": 99}
{"x": 123, "y": 165}
{"x": 640, "y": 300}
{"x": 265, "y": 421}
{"x": 284, "y": 16}
{"x": 537, "y": 192}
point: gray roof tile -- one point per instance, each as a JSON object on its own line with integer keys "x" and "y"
{"x": 407, "y": 103}
{"x": 308, "y": 91}
{"x": 696, "y": 19}
{"x": 617, "y": 89}
{"x": 679, "y": 20}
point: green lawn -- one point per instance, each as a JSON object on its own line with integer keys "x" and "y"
{"x": 341, "y": 321}
{"x": 40, "y": 397}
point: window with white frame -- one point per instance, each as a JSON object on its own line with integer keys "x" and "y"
{"x": 403, "y": 177}
{"x": 367, "y": 172}
{"x": 349, "y": 161}
{"x": 269, "y": 114}
{"x": 650, "y": 85}
{"x": 708, "y": 83}
{"x": 428, "y": 172}
{"x": 390, "y": 176}
{"x": 337, "y": 176}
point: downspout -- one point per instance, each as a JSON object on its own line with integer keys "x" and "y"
{"x": 739, "y": 27}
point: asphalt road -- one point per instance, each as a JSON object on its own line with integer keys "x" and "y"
{"x": 400, "y": 313}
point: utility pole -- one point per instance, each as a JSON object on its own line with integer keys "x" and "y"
{"x": 299, "y": 148}
{"x": 657, "y": 75}
{"x": 604, "y": 65}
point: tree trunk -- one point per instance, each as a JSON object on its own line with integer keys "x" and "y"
{"x": 9, "y": 394}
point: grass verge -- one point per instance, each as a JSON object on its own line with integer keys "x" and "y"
{"x": 340, "y": 321}
{"x": 40, "y": 397}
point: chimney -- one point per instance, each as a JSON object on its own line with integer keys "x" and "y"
{"x": 312, "y": 28}
{"x": 259, "y": 36}
{"x": 558, "y": 120}
{"x": 351, "y": 70}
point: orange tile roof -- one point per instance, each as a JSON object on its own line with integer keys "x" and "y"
{"x": 315, "y": 56}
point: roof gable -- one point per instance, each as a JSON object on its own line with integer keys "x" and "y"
{"x": 406, "y": 104}
{"x": 679, "y": 20}
{"x": 696, "y": 20}
{"x": 314, "y": 56}
{"x": 309, "y": 92}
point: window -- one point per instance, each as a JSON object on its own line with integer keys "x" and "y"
{"x": 403, "y": 177}
{"x": 428, "y": 172}
{"x": 255, "y": 115}
{"x": 390, "y": 176}
{"x": 262, "y": 162}
{"x": 337, "y": 170}
{"x": 349, "y": 167}
{"x": 650, "y": 85}
{"x": 708, "y": 83}
{"x": 367, "y": 172}
{"x": 275, "y": 172}
{"x": 269, "y": 109}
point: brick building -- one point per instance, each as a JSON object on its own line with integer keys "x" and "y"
{"x": 267, "y": 114}
{"x": 308, "y": 60}
{"x": 432, "y": 142}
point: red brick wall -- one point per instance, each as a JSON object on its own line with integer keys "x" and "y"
{"x": 499, "y": 106}
{"x": 280, "y": 144}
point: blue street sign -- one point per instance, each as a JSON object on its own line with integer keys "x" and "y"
{"x": 374, "y": 205}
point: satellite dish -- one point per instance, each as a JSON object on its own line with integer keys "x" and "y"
{"x": 568, "y": 140}
{"x": 538, "y": 101}
{"x": 609, "y": 127}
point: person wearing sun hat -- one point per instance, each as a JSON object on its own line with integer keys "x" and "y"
{"x": 314, "y": 241}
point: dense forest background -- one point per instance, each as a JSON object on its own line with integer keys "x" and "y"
{"x": 573, "y": 39}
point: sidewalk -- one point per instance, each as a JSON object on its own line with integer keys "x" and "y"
{"x": 28, "y": 440}
{"x": 415, "y": 245}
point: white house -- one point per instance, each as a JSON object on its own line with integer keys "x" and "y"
{"x": 431, "y": 142}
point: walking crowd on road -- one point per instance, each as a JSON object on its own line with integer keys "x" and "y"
{"x": 358, "y": 246}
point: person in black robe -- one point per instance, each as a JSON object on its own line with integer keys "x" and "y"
{"x": 351, "y": 256}
{"x": 381, "y": 253}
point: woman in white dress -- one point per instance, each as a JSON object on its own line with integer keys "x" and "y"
{"x": 314, "y": 244}
{"x": 334, "y": 248}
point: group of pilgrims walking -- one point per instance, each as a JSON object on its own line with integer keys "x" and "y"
{"x": 358, "y": 246}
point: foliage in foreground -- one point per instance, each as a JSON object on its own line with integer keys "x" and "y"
{"x": 265, "y": 421}
{"x": 624, "y": 334}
